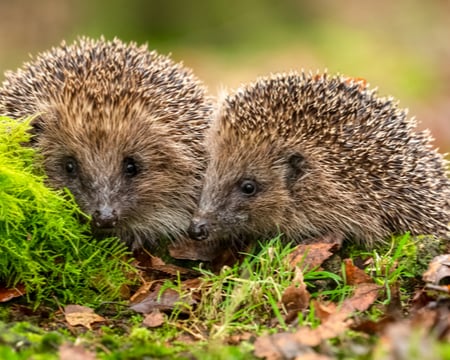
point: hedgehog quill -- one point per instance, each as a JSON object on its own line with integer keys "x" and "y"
{"x": 312, "y": 155}
{"x": 122, "y": 128}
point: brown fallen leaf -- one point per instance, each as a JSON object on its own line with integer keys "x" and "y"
{"x": 313, "y": 356}
{"x": 323, "y": 311}
{"x": 354, "y": 274}
{"x": 335, "y": 325}
{"x": 148, "y": 289}
{"x": 156, "y": 261}
{"x": 372, "y": 327}
{"x": 144, "y": 289}
{"x": 151, "y": 266}
{"x": 217, "y": 255}
{"x": 189, "y": 249}
{"x": 161, "y": 302}
{"x": 293, "y": 345}
{"x": 438, "y": 270}
{"x": 81, "y": 315}
{"x": 6, "y": 294}
{"x": 75, "y": 352}
{"x": 295, "y": 299}
{"x": 236, "y": 339}
{"x": 154, "y": 319}
{"x": 144, "y": 259}
{"x": 401, "y": 340}
{"x": 175, "y": 270}
{"x": 186, "y": 338}
{"x": 393, "y": 311}
{"x": 435, "y": 320}
{"x": 311, "y": 256}
{"x": 279, "y": 347}
{"x": 363, "y": 297}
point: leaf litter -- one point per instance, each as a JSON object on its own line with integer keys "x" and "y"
{"x": 425, "y": 317}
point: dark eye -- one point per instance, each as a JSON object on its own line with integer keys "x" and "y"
{"x": 70, "y": 166}
{"x": 248, "y": 187}
{"x": 129, "y": 167}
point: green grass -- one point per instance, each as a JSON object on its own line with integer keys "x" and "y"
{"x": 246, "y": 297}
{"x": 242, "y": 299}
{"x": 399, "y": 262}
{"x": 238, "y": 295}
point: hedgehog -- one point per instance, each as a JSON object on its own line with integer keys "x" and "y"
{"x": 314, "y": 155}
{"x": 121, "y": 127}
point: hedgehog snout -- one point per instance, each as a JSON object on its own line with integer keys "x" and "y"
{"x": 198, "y": 229}
{"x": 105, "y": 217}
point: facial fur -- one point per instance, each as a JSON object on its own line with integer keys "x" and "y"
{"x": 283, "y": 177}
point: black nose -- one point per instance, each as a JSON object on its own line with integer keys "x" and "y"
{"x": 105, "y": 218}
{"x": 198, "y": 229}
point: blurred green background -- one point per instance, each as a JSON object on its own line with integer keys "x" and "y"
{"x": 402, "y": 47}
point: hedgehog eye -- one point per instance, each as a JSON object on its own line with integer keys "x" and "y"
{"x": 70, "y": 166}
{"x": 248, "y": 187}
{"x": 129, "y": 167}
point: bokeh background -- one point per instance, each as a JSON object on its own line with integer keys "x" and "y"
{"x": 402, "y": 46}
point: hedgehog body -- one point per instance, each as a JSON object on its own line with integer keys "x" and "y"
{"x": 311, "y": 155}
{"x": 122, "y": 128}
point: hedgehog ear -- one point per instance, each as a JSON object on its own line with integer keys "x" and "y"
{"x": 37, "y": 127}
{"x": 297, "y": 165}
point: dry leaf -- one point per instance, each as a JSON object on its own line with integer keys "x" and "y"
{"x": 291, "y": 345}
{"x": 279, "y": 347}
{"x": 295, "y": 299}
{"x": 186, "y": 338}
{"x": 434, "y": 320}
{"x": 81, "y": 315}
{"x": 438, "y": 270}
{"x": 312, "y": 356}
{"x": 157, "y": 261}
{"x": 323, "y": 311}
{"x": 364, "y": 296}
{"x": 152, "y": 265}
{"x": 311, "y": 256}
{"x": 288, "y": 345}
{"x": 400, "y": 340}
{"x": 335, "y": 325}
{"x": 236, "y": 339}
{"x": 195, "y": 250}
{"x": 154, "y": 319}
{"x": 162, "y": 302}
{"x": 144, "y": 289}
{"x": 354, "y": 274}
{"x": 217, "y": 255}
{"x": 143, "y": 259}
{"x": 174, "y": 270}
{"x": 75, "y": 352}
{"x": 11, "y": 293}
{"x": 373, "y": 327}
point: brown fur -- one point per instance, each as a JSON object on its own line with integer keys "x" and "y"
{"x": 327, "y": 156}
{"x": 102, "y": 103}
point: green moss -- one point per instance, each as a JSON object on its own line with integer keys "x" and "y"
{"x": 25, "y": 341}
{"x": 44, "y": 237}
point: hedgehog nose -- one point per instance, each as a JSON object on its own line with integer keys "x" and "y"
{"x": 105, "y": 218}
{"x": 198, "y": 229}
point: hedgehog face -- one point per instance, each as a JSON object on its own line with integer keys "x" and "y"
{"x": 246, "y": 192}
{"x": 122, "y": 171}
